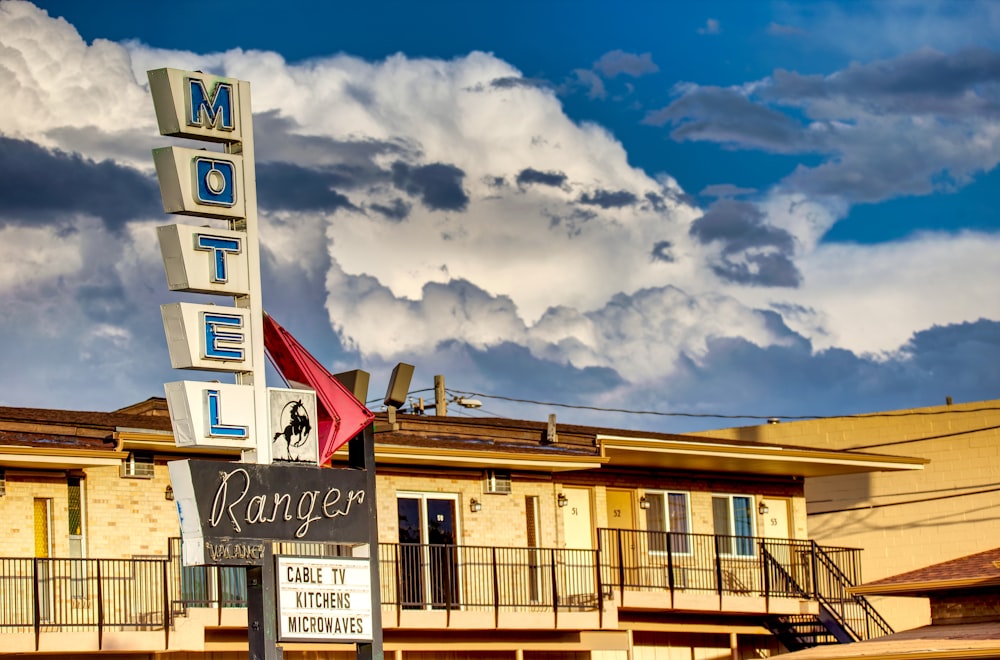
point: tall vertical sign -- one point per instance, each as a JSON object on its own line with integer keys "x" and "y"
{"x": 220, "y": 262}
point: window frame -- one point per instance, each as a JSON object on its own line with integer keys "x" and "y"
{"x": 732, "y": 534}
{"x": 665, "y": 495}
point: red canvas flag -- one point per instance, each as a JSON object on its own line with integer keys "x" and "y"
{"x": 341, "y": 415}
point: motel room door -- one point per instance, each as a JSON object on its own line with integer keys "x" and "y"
{"x": 576, "y": 575}
{"x": 428, "y": 561}
{"x": 621, "y": 516}
{"x": 777, "y": 529}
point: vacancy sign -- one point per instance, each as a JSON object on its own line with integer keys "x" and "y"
{"x": 324, "y": 599}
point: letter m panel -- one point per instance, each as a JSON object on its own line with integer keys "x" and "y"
{"x": 197, "y": 105}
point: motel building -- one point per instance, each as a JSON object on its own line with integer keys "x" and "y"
{"x": 497, "y": 539}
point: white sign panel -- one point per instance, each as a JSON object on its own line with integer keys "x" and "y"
{"x": 217, "y": 415}
{"x": 294, "y": 425}
{"x": 203, "y": 183}
{"x": 207, "y": 337}
{"x": 196, "y": 105}
{"x": 204, "y": 260}
{"x": 324, "y": 599}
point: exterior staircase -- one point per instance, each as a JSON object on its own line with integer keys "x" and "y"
{"x": 843, "y": 617}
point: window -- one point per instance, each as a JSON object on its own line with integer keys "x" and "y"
{"x": 732, "y": 516}
{"x": 669, "y": 515}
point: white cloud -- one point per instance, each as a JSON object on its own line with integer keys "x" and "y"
{"x": 567, "y": 270}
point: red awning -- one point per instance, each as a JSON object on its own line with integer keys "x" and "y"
{"x": 341, "y": 415}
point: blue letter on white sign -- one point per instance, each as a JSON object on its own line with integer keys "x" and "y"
{"x": 218, "y": 333}
{"x": 219, "y": 247}
{"x": 215, "y": 112}
{"x": 215, "y": 426}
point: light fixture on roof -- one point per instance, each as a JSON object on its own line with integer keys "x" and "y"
{"x": 475, "y": 505}
{"x": 562, "y": 500}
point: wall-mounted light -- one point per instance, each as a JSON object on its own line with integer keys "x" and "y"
{"x": 762, "y": 509}
{"x": 475, "y": 505}
{"x": 562, "y": 500}
{"x": 643, "y": 502}
{"x": 168, "y": 494}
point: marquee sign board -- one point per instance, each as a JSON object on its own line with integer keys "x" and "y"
{"x": 228, "y": 509}
{"x": 324, "y": 599}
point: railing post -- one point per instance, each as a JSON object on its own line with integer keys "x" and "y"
{"x": 670, "y": 565}
{"x": 555, "y": 587}
{"x": 718, "y": 567}
{"x": 100, "y": 609}
{"x": 399, "y": 584}
{"x": 815, "y": 569}
{"x": 38, "y": 603}
{"x": 447, "y": 585}
{"x": 496, "y": 588}
{"x": 621, "y": 565}
{"x": 166, "y": 606}
{"x": 600, "y": 586}
{"x": 766, "y": 571}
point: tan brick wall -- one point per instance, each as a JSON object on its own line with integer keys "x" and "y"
{"x": 903, "y": 520}
{"x": 970, "y": 608}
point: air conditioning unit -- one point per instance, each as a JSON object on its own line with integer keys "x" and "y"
{"x": 137, "y": 466}
{"x": 497, "y": 482}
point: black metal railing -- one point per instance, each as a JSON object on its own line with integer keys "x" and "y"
{"x": 146, "y": 593}
{"x": 726, "y": 565}
{"x": 453, "y": 577}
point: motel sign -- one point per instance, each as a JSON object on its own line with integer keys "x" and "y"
{"x": 231, "y": 513}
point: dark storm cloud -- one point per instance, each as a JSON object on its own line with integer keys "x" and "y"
{"x": 954, "y": 84}
{"x": 753, "y": 252}
{"x": 735, "y": 375}
{"x": 728, "y": 116}
{"x": 290, "y": 187}
{"x": 352, "y": 162}
{"x": 662, "y": 252}
{"x": 438, "y": 185}
{"x": 38, "y": 186}
{"x": 609, "y": 199}
{"x": 513, "y": 82}
{"x": 529, "y": 176}
{"x": 105, "y": 303}
{"x": 726, "y": 190}
{"x": 398, "y": 210}
{"x": 619, "y": 62}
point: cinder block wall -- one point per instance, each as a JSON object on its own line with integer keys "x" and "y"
{"x": 903, "y": 520}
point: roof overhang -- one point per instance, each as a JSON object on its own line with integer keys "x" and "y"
{"x": 747, "y": 458}
{"x": 41, "y": 458}
{"x": 162, "y": 442}
{"x": 925, "y": 587}
{"x": 480, "y": 459}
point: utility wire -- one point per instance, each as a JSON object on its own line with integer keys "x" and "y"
{"x": 717, "y": 415}
{"x": 888, "y": 504}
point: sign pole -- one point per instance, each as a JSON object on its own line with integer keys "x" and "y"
{"x": 361, "y": 456}
{"x": 262, "y": 624}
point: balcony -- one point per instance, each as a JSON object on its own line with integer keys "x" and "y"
{"x": 156, "y": 604}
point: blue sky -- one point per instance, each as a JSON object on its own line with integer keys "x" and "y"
{"x": 719, "y": 208}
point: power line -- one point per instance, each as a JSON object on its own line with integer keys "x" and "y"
{"x": 920, "y": 501}
{"x": 660, "y": 413}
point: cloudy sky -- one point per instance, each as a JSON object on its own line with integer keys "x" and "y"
{"x": 697, "y": 209}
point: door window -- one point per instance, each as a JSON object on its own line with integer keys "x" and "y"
{"x": 733, "y": 520}
{"x": 428, "y": 552}
{"x": 668, "y": 518}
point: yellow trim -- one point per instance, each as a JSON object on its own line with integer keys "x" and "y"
{"x": 426, "y": 455}
{"x": 56, "y": 457}
{"x": 705, "y": 448}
